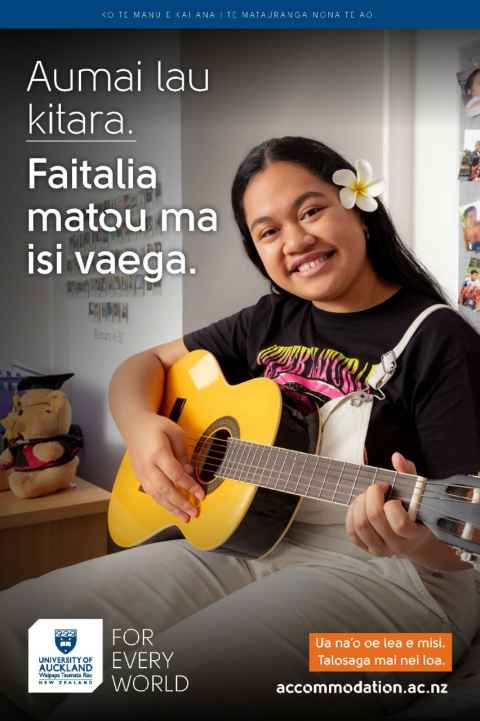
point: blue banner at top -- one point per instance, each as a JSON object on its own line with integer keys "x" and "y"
{"x": 175, "y": 14}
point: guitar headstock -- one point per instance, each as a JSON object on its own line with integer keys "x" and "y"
{"x": 451, "y": 509}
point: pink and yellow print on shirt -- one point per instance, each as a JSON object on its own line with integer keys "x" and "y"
{"x": 322, "y": 372}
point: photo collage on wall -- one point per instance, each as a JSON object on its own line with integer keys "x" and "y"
{"x": 468, "y": 78}
{"x": 108, "y": 294}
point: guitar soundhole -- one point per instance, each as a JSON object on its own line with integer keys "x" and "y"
{"x": 212, "y": 454}
{"x": 211, "y": 450}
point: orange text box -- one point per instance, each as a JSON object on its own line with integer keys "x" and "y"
{"x": 380, "y": 652}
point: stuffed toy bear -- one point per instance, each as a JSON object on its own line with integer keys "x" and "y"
{"x": 42, "y": 445}
{"x": 6, "y": 457}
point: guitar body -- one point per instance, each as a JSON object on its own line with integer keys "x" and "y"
{"x": 234, "y": 517}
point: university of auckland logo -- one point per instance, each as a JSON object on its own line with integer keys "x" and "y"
{"x": 65, "y": 639}
{"x": 65, "y": 655}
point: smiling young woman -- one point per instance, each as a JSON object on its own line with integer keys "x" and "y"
{"x": 345, "y": 290}
{"x": 309, "y": 244}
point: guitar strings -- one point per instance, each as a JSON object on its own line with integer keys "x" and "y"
{"x": 423, "y": 505}
{"x": 279, "y": 472}
{"x": 209, "y": 453}
{"x": 326, "y": 479}
{"x": 345, "y": 504}
{"x": 250, "y": 444}
{"x": 356, "y": 487}
{"x": 332, "y": 484}
{"x": 359, "y": 485}
{"x": 349, "y": 467}
{"x": 245, "y": 443}
{"x": 326, "y": 483}
{"x": 397, "y": 476}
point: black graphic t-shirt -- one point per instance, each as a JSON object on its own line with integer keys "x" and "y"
{"x": 431, "y": 411}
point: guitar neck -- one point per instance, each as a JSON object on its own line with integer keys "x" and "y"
{"x": 307, "y": 475}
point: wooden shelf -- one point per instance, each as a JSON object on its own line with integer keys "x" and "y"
{"x": 42, "y": 534}
{"x": 85, "y": 499}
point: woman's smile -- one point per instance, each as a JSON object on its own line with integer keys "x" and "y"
{"x": 313, "y": 263}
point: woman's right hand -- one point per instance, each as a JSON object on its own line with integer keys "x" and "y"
{"x": 156, "y": 446}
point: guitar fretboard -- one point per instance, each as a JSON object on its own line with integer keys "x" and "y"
{"x": 303, "y": 474}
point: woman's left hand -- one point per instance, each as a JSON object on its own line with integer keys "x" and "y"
{"x": 385, "y": 529}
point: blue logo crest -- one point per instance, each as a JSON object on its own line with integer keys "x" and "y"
{"x": 65, "y": 639}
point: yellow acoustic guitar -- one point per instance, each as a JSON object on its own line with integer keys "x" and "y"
{"x": 252, "y": 448}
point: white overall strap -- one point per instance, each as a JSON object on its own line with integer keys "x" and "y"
{"x": 388, "y": 365}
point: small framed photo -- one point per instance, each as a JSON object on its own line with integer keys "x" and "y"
{"x": 469, "y": 81}
{"x": 470, "y": 160}
{"x": 469, "y": 296}
{"x": 470, "y": 220}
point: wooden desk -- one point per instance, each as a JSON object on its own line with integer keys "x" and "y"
{"x": 40, "y": 534}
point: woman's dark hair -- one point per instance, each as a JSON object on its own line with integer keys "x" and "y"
{"x": 390, "y": 258}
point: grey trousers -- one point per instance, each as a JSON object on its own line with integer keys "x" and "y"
{"x": 237, "y": 628}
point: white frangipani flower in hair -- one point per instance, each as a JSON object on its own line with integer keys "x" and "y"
{"x": 358, "y": 189}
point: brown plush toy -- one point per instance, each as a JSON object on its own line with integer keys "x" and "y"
{"x": 41, "y": 456}
{"x": 6, "y": 467}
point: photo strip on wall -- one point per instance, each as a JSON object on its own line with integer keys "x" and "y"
{"x": 103, "y": 291}
{"x": 468, "y": 77}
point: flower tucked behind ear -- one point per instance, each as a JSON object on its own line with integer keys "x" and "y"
{"x": 359, "y": 190}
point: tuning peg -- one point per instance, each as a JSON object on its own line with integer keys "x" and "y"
{"x": 467, "y": 556}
